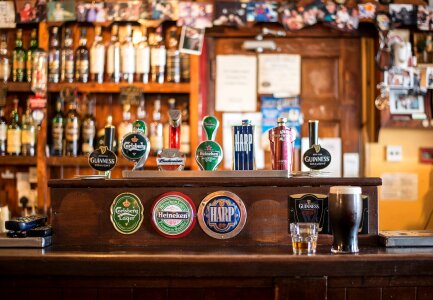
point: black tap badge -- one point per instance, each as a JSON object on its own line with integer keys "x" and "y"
{"x": 309, "y": 208}
{"x": 316, "y": 158}
{"x": 102, "y": 159}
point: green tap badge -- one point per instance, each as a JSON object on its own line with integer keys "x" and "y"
{"x": 209, "y": 153}
{"x": 135, "y": 145}
{"x": 127, "y": 213}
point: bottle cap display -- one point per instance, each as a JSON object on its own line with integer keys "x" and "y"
{"x": 126, "y": 213}
{"x": 173, "y": 215}
{"x": 209, "y": 153}
{"x": 222, "y": 215}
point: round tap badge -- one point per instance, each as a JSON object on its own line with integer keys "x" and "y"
{"x": 173, "y": 215}
{"x": 126, "y": 213}
{"x": 222, "y": 215}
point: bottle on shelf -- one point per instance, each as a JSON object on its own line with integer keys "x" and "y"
{"x": 173, "y": 55}
{"x": 141, "y": 112}
{"x": 14, "y": 132}
{"x": 113, "y": 56}
{"x": 19, "y": 59}
{"x": 82, "y": 59}
{"x": 88, "y": 130}
{"x": 3, "y": 130}
{"x": 185, "y": 146}
{"x": 97, "y": 57}
{"x": 5, "y": 67}
{"x": 143, "y": 58}
{"x": 68, "y": 58}
{"x": 30, "y": 54}
{"x": 125, "y": 126}
{"x": 185, "y": 65}
{"x": 57, "y": 129}
{"x": 127, "y": 53}
{"x": 171, "y": 105}
{"x": 72, "y": 128}
{"x": 54, "y": 56}
{"x": 156, "y": 129}
{"x": 157, "y": 56}
{"x": 28, "y": 133}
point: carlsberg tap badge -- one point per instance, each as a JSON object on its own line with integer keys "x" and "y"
{"x": 127, "y": 213}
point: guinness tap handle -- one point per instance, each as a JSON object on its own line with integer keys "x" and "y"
{"x": 313, "y": 131}
{"x": 109, "y": 136}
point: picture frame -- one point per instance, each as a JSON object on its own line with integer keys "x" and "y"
{"x": 403, "y": 14}
{"x": 7, "y": 14}
{"x": 91, "y": 12}
{"x": 30, "y": 11}
{"x": 399, "y": 77}
{"x": 262, "y": 12}
{"x": 60, "y": 11}
{"x": 232, "y": 14}
{"x": 195, "y": 14}
{"x": 406, "y": 102}
{"x": 191, "y": 40}
{"x": 166, "y": 10}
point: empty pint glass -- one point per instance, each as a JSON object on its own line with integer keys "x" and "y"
{"x": 345, "y": 211}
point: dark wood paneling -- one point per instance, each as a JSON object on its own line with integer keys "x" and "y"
{"x": 399, "y": 293}
{"x": 301, "y": 289}
{"x": 424, "y": 293}
{"x": 41, "y": 293}
{"x": 336, "y": 294}
{"x": 150, "y": 294}
{"x": 363, "y": 293}
{"x": 80, "y": 293}
{"x": 114, "y": 294}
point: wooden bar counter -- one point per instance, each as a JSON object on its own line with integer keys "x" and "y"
{"x": 91, "y": 260}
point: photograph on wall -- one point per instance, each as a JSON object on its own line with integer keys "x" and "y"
{"x": 429, "y": 77}
{"x": 191, "y": 40}
{"x": 425, "y": 17}
{"x": 91, "y": 12}
{"x": 293, "y": 18}
{"x": 195, "y": 14}
{"x": 30, "y": 11}
{"x": 383, "y": 21}
{"x": 399, "y": 77}
{"x": 166, "y": 10}
{"x": 7, "y": 14}
{"x": 59, "y": 11}
{"x": 367, "y": 11}
{"x": 233, "y": 14}
{"x": 404, "y": 101}
{"x": 262, "y": 12}
{"x": 123, "y": 11}
{"x": 345, "y": 18}
{"x": 403, "y": 14}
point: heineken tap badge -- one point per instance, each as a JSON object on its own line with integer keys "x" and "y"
{"x": 135, "y": 145}
{"x": 209, "y": 153}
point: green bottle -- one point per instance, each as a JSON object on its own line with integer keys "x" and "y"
{"x": 14, "y": 132}
{"x": 58, "y": 129}
{"x": 28, "y": 133}
{"x": 72, "y": 129}
{"x": 30, "y": 54}
{"x": 19, "y": 59}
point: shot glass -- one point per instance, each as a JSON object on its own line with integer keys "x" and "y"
{"x": 304, "y": 237}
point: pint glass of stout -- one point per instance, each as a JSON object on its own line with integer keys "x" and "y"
{"x": 345, "y": 210}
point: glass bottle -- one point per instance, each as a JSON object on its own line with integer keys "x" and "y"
{"x": 19, "y": 59}
{"x": 82, "y": 59}
{"x": 97, "y": 57}
{"x": 68, "y": 58}
{"x": 171, "y": 105}
{"x": 185, "y": 64}
{"x": 57, "y": 129}
{"x": 157, "y": 56}
{"x": 113, "y": 56}
{"x": 141, "y": 113}
{"x": 156, "y": 129}
{"x": 185, "y": 138}
{"x": 173, "y": 55}
{"x": 127, "y": 52}
{"x": 30, "y": 54}
{"x": 3, "y": 130}
{"x": 72, "y": 129}
{"x": 28, "y": 133}
{"x": 54, "y": 56}
{"x": 125, "y": 126}
{"x": 143, "y": 59}
{"x": 88, "y": 130}
{"x": 14, "y": 132}
{"x": 5, "y": 67}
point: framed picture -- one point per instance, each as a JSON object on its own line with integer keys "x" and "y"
{"x": 232, "y": 14}
{"x": 195, "y": 14}
{"x": 165, "y": 10}
{"x": 429, "y": 77}
{"x": 404, "y": 101}
{"x": 262, "y": 12}
{"x": 399, "y": 77}
{"x": 123, "y": 11}
{"x": 61, "y": 11}
{"x": 367, "y": 11}
{"x": 191, "y": 40}
{"x": 31, "y": 11}
{"x": 91, "y": 12}
{"x": 7, "y": 14}
{"x": 294, "y": 19}
{"x": 346, "y": 18}
{"x": 404, "y": 14}
{"x": 425, "y": 17}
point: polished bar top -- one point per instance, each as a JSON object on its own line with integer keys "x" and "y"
{"x": 263, "y": 261}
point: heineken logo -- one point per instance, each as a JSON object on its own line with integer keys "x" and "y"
{"x": 209, "y": 155}
{"x": 317, "y": 158}
{"x": 127, "y": 213}
{"x": 134, "y": 146}
{"x": 173, "y": 215}
{"x": 102, "y": 159}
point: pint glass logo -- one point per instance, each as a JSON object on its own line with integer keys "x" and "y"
{"x": 126, "y": 213}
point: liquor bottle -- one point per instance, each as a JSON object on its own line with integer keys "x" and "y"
{"x": 5, "y": 67}
{"x": 97, "y": 57}
{"x": 54, "y": 56}
{"x": 72, "y": 129}
{"x": 28, "y": 133}
{"x": 30, "y": 54}
{"x": 173, "y": 56}
{"x": 57, "y": 129}
{"x": 156, "y": 129}
{"x": 171, "y": 106}
{"x": 88, "y": 130}
{"x": 82, "y": 59}
{"x": 185, "y": 138}
{"x": 142, "y": 114}
{"x": 113, "y": 56}
{"x": 68, "y": 58}
{"x": 185, "y": 64}
{"x": 125, "y": 126}
{"x": 3, "y": 130}
{"x": 157, "y": 56}
{"x": 14, "y": 132}
{"x": 127, "y": 53}
{"x": 143, "y": 59}
{"x": 19, "y": 59}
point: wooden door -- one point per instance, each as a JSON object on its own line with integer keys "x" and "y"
{"x": 330, "y": 83}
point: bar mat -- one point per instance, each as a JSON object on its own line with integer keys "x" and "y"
{"x": 27, "y": 242}
{"x": 406, "y": 238}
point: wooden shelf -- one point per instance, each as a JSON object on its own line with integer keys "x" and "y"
{"x": 110, "y": 87}
{"x": 17, "y": 161}
{"x": 17, "y": 87}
